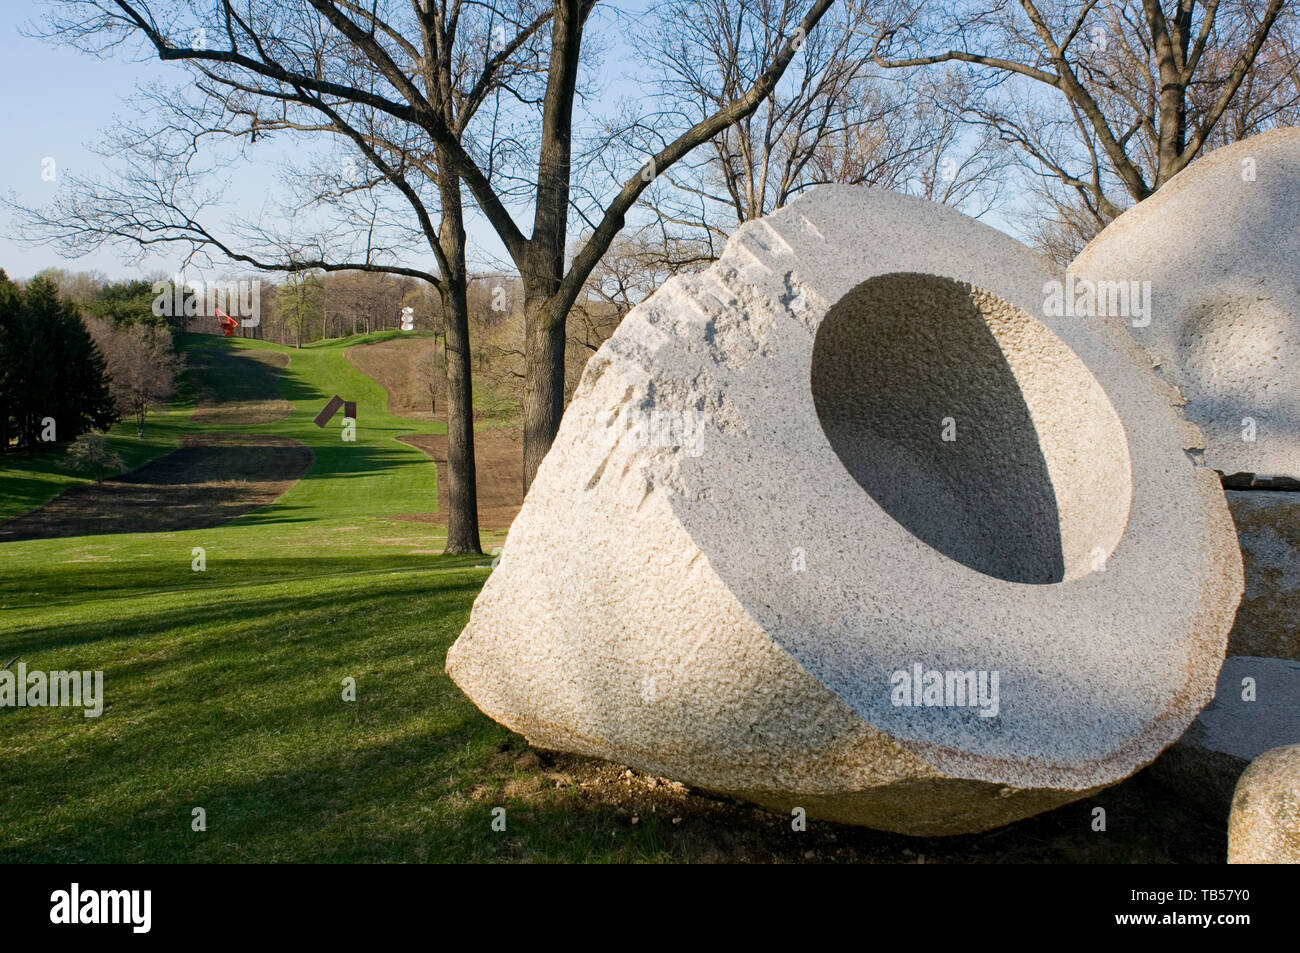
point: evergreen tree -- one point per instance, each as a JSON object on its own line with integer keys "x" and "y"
{"x": 51, "y": 368}
{"x": 10, "y": 302}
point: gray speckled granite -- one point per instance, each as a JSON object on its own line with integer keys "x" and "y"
{"x": 730, "y": 611}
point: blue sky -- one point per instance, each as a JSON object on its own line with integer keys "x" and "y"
{"x": 57, "y": 100}
{"x": 53, "y": 100}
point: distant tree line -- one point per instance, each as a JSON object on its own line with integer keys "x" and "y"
{"x": 77, "y": 354}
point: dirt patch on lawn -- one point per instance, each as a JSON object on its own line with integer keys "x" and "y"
{"x": 237, "y": 388}
{"x": 395, "y": 365}
{"x": 498, "y": 466}
{"x": 211, "y": 479}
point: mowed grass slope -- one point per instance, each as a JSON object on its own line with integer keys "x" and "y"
{"x": 223, "y": 687}
{"x": 336, "y": 517}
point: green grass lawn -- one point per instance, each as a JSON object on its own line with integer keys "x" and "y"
{"x": 224, "y": 687}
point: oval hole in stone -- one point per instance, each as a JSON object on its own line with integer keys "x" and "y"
{"x": 1036, "y": 484}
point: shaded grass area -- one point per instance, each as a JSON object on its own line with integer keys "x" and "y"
{"x": 235, "y": 387}
{"x": 235, "y": 706}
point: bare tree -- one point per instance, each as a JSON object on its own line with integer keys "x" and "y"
{"x": 141, "y": 365}
{"x": 91, "y": 452}
{"x": 551, "y": 280}
{"x": 392, "y": 84}
{"x": 431, "y": 371}
{"x": 400, "y": 89}
{"x": 833, "y": 117}
{"x": 1060, "y": 228}
{"x": 1105, "y": 99}
{"x": 637, "y": 263}
{"x": 300, "y": 302}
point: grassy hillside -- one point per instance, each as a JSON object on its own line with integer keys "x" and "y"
{"x": 337, "y": 513}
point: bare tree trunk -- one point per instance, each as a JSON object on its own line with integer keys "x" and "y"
{"x": 462, "y": 490}
{"x": 544, "y": 333}
{"x": 544, "y": 266}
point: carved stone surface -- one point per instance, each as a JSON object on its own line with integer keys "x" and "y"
{"x": 851, "y": 459}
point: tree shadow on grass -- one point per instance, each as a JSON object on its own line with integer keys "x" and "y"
{"x": 351, "y": 460}
{"x": 217, "y": 604}
{"x": 430, "y": 796}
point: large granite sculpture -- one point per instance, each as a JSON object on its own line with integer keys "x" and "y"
{"x": 850, "y": 522}
{"x": 1220, "y": 246}
{"x": 1219, "y": 249}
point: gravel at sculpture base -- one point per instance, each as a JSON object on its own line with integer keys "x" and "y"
{"x": 848, "y": 524}
{"x": 1264, "y": 826}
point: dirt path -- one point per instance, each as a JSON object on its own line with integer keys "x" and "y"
{"x": 209, "y": 480}
{"x": 395, "y": 365}
{"x": 498, "y": 464}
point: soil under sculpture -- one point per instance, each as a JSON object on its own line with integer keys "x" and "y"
{"x": 853, "y": 452}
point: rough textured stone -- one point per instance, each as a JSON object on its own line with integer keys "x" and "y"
{"x": 1220, "y": 245}
{"x": 1207, "y": 761}
{"x": 1268, "y": 528}
{"x": 1264, "y": 826}
{"x": 750, "y": 520}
